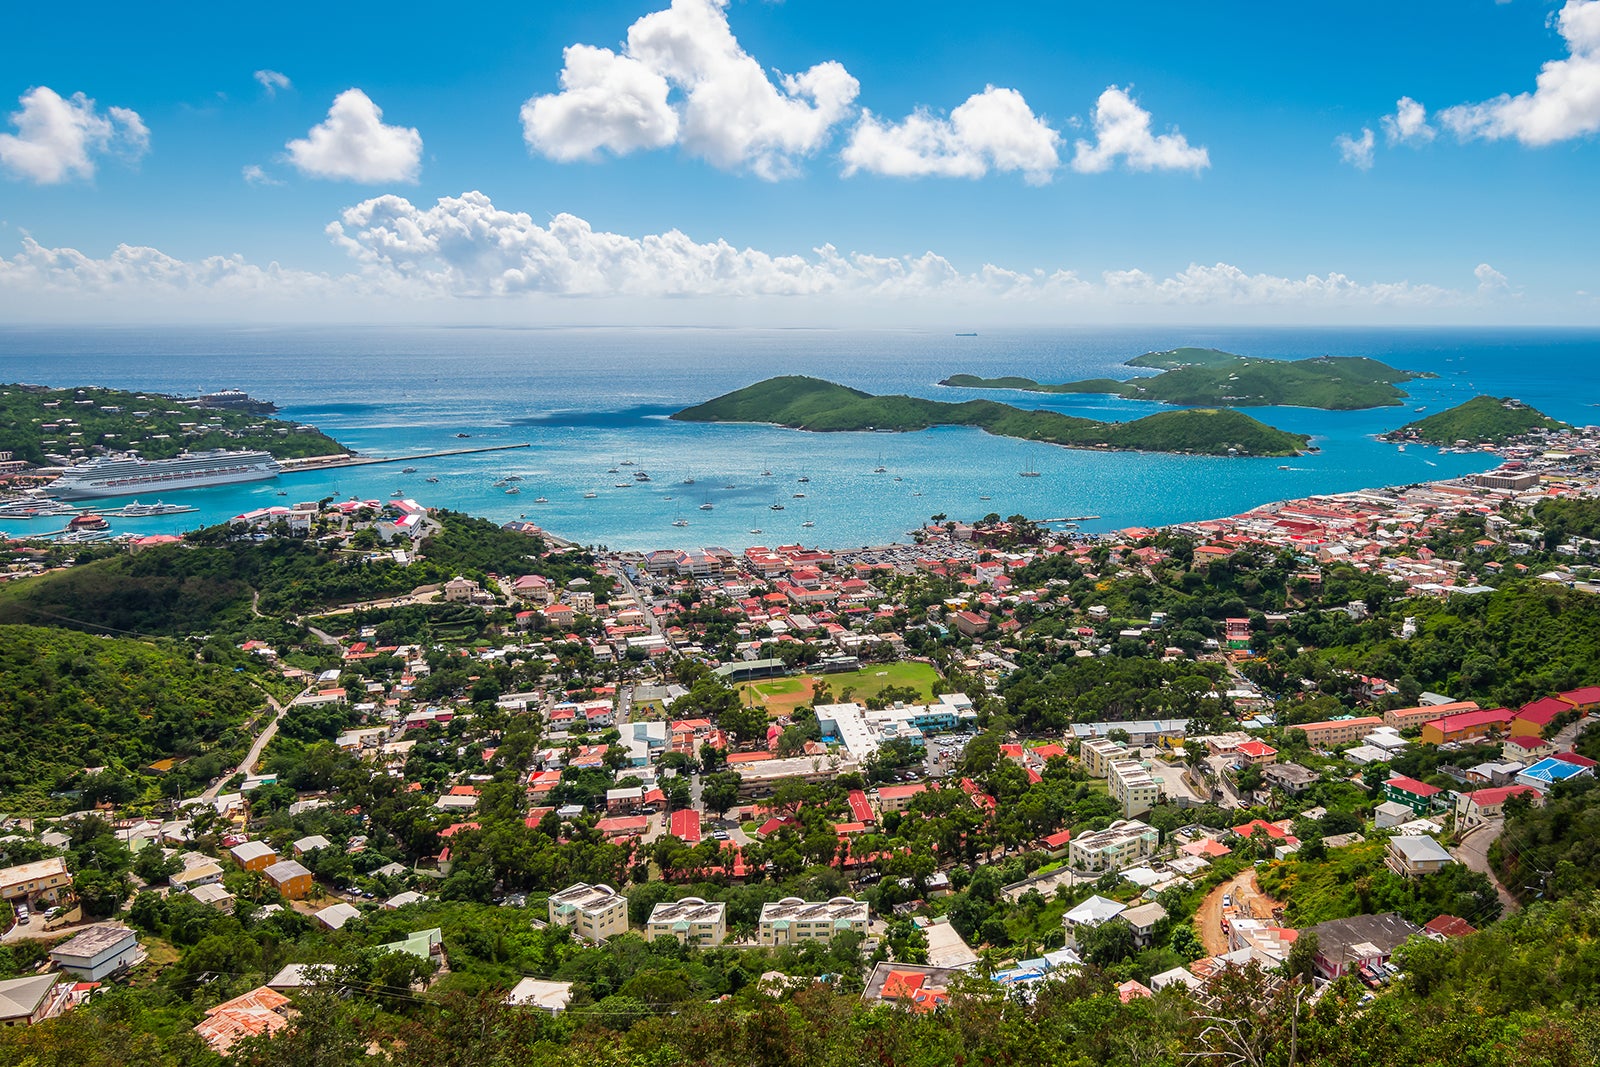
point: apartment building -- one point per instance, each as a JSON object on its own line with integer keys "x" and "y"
{"x": 1119, "y": 845}
{"x": 41, "y": 878}
{"x": 592, "y": 912}
{"x": 1099, "y": 753}
{"x": 1331, "y": 733}
{"x": 792, "y": 921}
{"x": 1132, "y": 787}
{"x": 1415, "y": 718}
{"x": 690, "y": 920}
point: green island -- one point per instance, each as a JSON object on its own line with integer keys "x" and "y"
{"x": 805, "y": 403}
{"x": 36, "y": 423}
{"x": 1490, "y": 419}
{"x": 1206, "y": 376}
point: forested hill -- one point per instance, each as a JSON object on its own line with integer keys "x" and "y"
{"x": 813, "y": 404}
{"x": 207, "y": 584}
{"x": 69, "y": 701}
{"x": 1482, "y": 419}
{"x": 1203, "y": 376}
{"x": 36, "y": 421}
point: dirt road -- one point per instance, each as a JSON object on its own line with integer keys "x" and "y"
{"x": 1247, "y": 900}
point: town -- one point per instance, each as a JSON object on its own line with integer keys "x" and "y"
{"x": 1300, "y": 743}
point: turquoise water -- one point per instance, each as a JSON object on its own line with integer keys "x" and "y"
{"x": 587, "y": 399}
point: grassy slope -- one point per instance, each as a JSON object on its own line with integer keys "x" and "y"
{"x": 1204, "y": 376}
{"x": 1483, "y": 418}
{"x": 22, "y": 412}
{"x": 812, "y": 404}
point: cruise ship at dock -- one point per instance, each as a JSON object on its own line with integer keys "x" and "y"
{"x": 128, "y": 476}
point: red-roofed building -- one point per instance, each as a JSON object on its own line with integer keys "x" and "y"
{"x": 1575, "y": 759}
{"x": 1206, "y": 848}
{"x": 1468, "y": 726}
{"x": 893, "y": 798}
{"x": 1249, "y": 829}
{"x": 860, "y": 808}
{"x": 1420, "y": 797}
{"x": 1056, "y": 843}
{"x": 623, "y": 825}
{"x": 1448, "y": 926}
{"x": 1531, "y": 719}
{"x": 1585, "y": 699}
{"x": 1486, "y": 804}
{"x": 1257, "y": 753}
{"x": 901, "y": 985}
{"x": 686, "y": 825}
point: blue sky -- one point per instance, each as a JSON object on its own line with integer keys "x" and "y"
{"x": 1235, "y": 162}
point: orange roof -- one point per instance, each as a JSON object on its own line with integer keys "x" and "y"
{"x": 902, "y": 984}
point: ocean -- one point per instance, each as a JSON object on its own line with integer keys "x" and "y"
{"x": 589, "y": 399}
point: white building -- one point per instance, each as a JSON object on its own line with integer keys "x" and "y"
{"x": 592, "y": 912}
{"x": 1119, "y": 845}
{"x": 1087, "y": 916}
{"x": 99, "y": 952}
{"x": 1132, "y": 787}
{"x": 793, "y": 921}
{"x": 690, "y": 920}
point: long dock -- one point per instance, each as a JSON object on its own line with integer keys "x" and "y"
{"x": 1070, "y": 518}
{"x": 322, "y": 463}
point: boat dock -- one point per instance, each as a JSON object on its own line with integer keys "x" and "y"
{"x": 322, "y": 463}
{"x": 1069, "y": 518}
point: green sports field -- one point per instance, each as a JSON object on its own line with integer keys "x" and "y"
{"x": 781, "y": 696}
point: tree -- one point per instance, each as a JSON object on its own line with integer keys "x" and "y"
{"x": 1302, "y": 961}
{"x": 720, "y": 791}
{"x": 100, "y": 893}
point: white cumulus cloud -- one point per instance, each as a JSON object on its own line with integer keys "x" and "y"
{"x": 1408, "y": 124}
{"x": 1356, "y": 151}
{"x": 1565, "y": 102}
{"x": 253, "y": 174}
{"x": 1122, "y": 131}
{"x": 353, "y": 144}
{"x": 683, "y": 78}
{"x": 272, "y": 81}
{"x": 58, "y": 138}
{"x": 992, "y": 130}
{"x": 466, "y": 256}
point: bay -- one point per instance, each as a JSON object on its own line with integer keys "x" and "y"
{"x": 587, "y": 399}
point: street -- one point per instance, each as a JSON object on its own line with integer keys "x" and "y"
{"x": 1474, "y": 852}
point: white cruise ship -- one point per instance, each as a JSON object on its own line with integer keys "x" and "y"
{"x": 104, "y": 476}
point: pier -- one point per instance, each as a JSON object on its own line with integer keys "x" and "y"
{"x": 322, "y": 463}
{"x": 1069, "y": 518}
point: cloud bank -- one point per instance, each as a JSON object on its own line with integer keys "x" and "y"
{"x": 1122, "y": 131}
{"x": 992, "y": 130}
{"x": 1565, "y": 102}
{"x": 58, "y": 139}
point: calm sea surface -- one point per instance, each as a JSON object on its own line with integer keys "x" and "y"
{"x": 588, "y": 399}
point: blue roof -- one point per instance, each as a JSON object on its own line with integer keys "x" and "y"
{"x": 1552, "y": 770}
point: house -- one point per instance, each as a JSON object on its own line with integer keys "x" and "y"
{"x": 690, "y": 920}
{"x": 29, "y": 1000}
{"x": 1142, "y": 920}
{"x": 1412, "y": 857}
{"x": 1390, "y": 814}
{"x": 289, "y": 877}
{"x": 1473, "y": 809}
{"x": 334, "y": 916}
{"x": 1088, "y": 915}
{"x": 914, "y": 987}
{"x": 1420, "y": 797}
{"x": 253, "y": 855}
{"x": 1256, "y": 753}
{"x": 1289, "y": 777}
{"x": 99, "y": 952}
{"x": 1443, "y": 927}
{"x": 204, "y": 871}
{"x": 1526, "y": 749}
{"x": 592, "y": 912}
{"x": 552, "y": 997}
{"x": 1466, "y": 726}
{"x": 1547, "y": 772}
{"x": 310, "y": 844}
{"x": 1345, "y": 944}
{"x": 215, "y": 896}
{"x": 263, "y": 1010}
{"x": 41, "y": 879}
{"x": 1124, "y": 842}
{"x": 794, "y": 921}
{"x": 623, "y": 800}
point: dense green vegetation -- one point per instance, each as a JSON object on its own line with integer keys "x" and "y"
{"x": 70, "y": 701}
{"x": 1192, "y": 376}
{"x": 1354, "y": 881}
{"x": 159, "y": 433}
{"x": 812, "y": 404}
{"x": 1490, "y": 419}
{"x": 1553, "y": 850}
{"x": 206, "y": 585}
{"x": 1522, "y": 994}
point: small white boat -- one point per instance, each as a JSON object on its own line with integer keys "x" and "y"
{"x": 408, "y": 470}
{"x": 624, "y": 485}
{"x": 756, "y": 530}
{"x": 680, "y": 522}
{"x": 432, "y": 480}
{"x": 808, "y": 524}
{"x": 707, "y": 507}
{"x": 513, "y": 491}
{"x": 777, "y": 507}
{"x": 541, "y": 500}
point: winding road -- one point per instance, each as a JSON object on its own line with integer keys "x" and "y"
{"x": 249, "y": 762}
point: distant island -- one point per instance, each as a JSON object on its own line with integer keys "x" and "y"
{"x": 48, "y": 426}
{"x": 805, "y": 403}
{"x": 1209, "y": 377}
{"x": 1481, "y": 420}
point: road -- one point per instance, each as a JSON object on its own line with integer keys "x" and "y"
{"x": 254, "y": 754}
{"x": 1474, "y": 852}
{"x": 650, "y": 620}
{"x": 1248, "y": 900}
